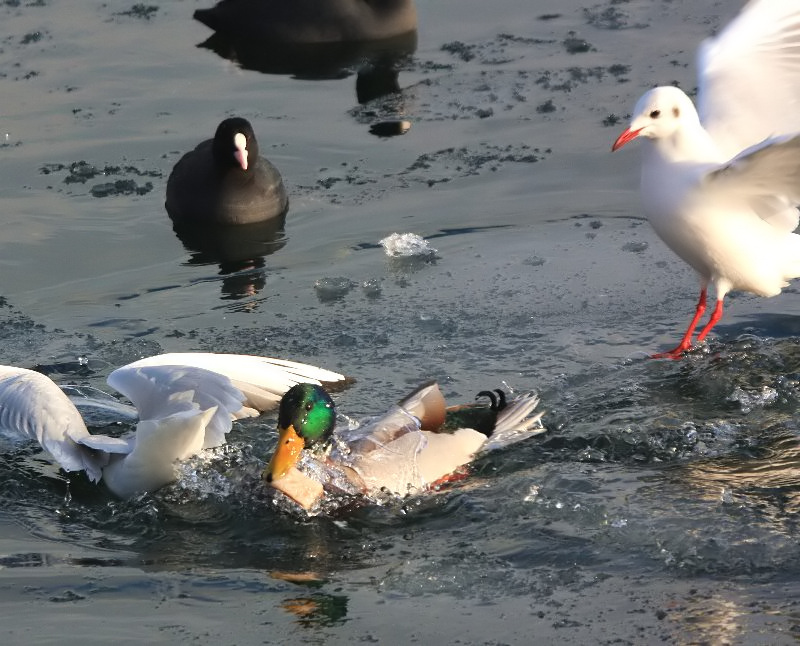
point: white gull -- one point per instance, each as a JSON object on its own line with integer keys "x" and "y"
{"x": 720, "y": 184}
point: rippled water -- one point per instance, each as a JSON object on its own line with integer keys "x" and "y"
{"x": 660, "y": 506}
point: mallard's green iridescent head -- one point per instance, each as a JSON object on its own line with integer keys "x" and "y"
{"x": 306, "y": 419}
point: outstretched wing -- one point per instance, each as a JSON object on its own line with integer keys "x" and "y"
{"x": 262, "y": 380}
{"x": 161, "y": 391}
{"x": 34, "y": 406}
{"x": 747, "y": 76}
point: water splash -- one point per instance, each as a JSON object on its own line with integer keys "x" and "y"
{"x": 398, "y": 245}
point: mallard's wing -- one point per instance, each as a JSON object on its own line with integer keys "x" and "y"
{"x": 427, "y": 404}
{"x": 376, "y": 432}
{"x": 443, "y": 453}
{"x": 423, "y": 408}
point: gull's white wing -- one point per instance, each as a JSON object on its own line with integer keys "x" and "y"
{"x": 263, "y": 380}
{"x": 749, "y": 76}
{"x": 161, "y": 391}
{"x": 183, "y": 409}
{"x": 765, "y": 176}
{"x": 33, "y": 405}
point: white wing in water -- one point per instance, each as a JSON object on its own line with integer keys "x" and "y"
{"x": 185, "y": 403}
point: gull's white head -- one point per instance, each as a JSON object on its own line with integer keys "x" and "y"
{"x": 240, "y": 144}
{"x": 659, "y": 114}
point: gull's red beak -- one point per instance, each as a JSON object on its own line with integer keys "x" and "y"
{"x": 624, "y": 138}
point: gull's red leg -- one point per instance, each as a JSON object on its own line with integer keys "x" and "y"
{"x": 686, "y": 341}
{"x": 716, "y": 315}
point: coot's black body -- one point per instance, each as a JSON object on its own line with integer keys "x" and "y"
{"x": 224, "y": 181}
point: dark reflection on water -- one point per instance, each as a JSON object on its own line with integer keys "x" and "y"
{"x": 310, "y": 62}
{"x": 376, "y": 64}
{"x": 377, "y": 79}
{"x": 239, "y": 251}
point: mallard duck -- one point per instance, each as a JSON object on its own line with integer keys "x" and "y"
{"x": 185, "y": 402}
{"x": 224, "y": 181}
{"x": 311, "y": 21}
{"x": 417, "y": 444}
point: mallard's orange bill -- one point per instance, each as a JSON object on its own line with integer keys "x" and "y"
{"x": 299, "y": 487}
{"x": 286, "y": 456}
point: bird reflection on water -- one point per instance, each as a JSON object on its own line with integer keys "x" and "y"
{"x": 239, "y": 252}
{"x": 376, "y": 63}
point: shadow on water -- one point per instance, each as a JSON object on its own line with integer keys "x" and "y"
{"x": 442, "y": 233}
{"x": 771, "y": 324}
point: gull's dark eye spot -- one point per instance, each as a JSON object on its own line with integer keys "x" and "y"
{"x": 655, "y": 114}
{"x": 676, "y": 112}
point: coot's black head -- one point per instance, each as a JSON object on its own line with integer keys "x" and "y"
{"x": 235, "y": 145}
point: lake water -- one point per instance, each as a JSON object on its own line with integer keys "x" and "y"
{"x": 662, "y": 504}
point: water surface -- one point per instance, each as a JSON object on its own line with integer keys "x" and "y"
{"x": 660, "y": 506}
